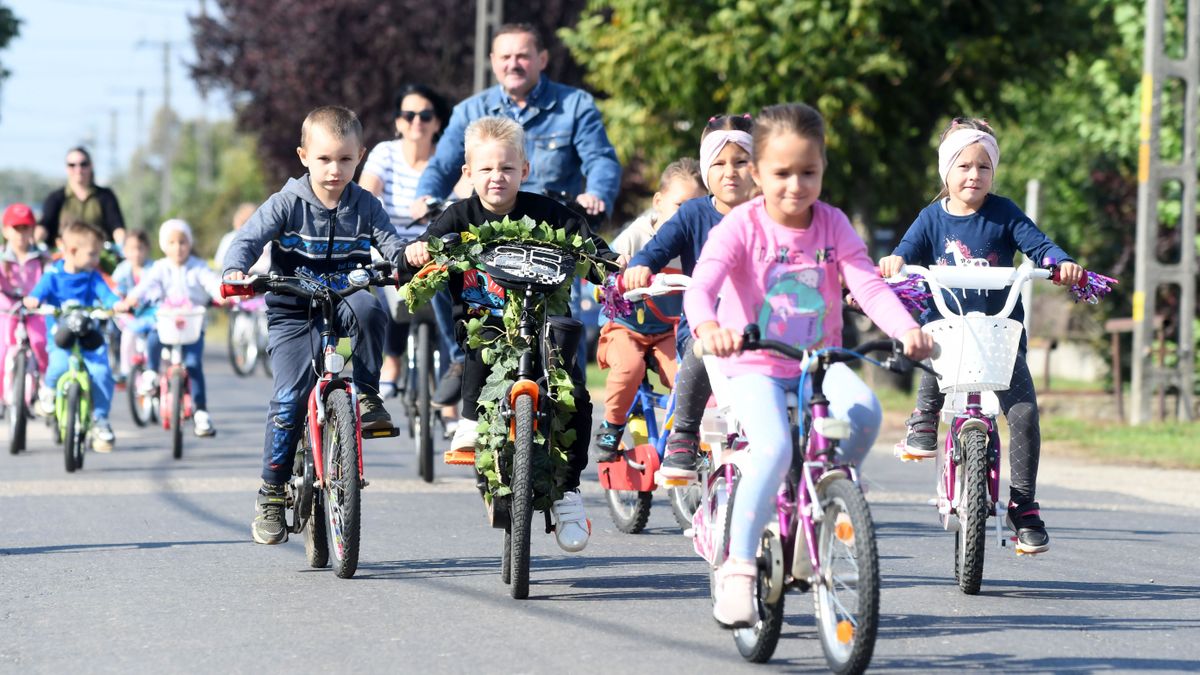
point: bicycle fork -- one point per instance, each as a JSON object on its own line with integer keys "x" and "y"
{"x": 972, "y": 418}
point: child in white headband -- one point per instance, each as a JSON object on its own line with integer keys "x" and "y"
{"x": 725, "y": 154}
{"x": 968, "y": 225}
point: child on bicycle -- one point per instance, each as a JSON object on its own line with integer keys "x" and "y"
{"x": 967, "y": 225}
{"x": 182, "y": 278}
{"x": 625, "y": 342}
{"x": 496, "y": 166}
{"x": 321, "y": 225}
{"x": 21, "y": 265}
{"x": 78, "y": 281}
{"x": 776, "y": 262}
{"x": 725, "y": 148}
{"x": 126, "y": 276}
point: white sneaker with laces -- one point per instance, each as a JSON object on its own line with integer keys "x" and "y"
{"x": 465, "y": 436}
{"x": 202, "y": 424}
{"x": 572, "y": 527}
{"x": 46, "y": 400}
{"x": 103, "y": 437}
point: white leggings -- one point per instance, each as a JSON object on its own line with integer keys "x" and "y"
{"x": 760, "y": 406}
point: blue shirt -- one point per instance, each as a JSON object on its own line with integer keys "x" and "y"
{"x": 58, "y": 287}
{"x": 994, "y": 233}
{"x": 565, "y": 142}
{"x": 682, "y": 237}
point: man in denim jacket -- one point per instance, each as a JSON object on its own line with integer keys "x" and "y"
{"x": 564, "y": 135}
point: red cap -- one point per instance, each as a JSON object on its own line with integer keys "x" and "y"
{"x": 18, "y": 214}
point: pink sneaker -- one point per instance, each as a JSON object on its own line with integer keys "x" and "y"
{"x": 734, "y": 606}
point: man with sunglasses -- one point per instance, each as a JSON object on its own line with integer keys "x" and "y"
{"x": 81, "y": 200}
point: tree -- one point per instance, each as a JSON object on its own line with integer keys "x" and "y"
{"x": 278, "y": 59}
{"x": 9, "y": 28}
{"x": 885, "y": 74}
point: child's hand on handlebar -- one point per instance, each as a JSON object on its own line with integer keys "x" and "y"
{"x": 30, "y": 302}
{"x": 889, "y": 266}
{"x": 1069, "y": 274}
{"x": 234, "y": 275}
{"x": 718, "y": 341}
{"x": 417, "y": 254}
{"x": 637, "y": 277}
{"x": 918, "y": 345}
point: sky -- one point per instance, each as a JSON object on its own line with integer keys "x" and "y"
{"x": 75, "y": 62}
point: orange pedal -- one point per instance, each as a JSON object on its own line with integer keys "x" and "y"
{"x": 463, "y": 457}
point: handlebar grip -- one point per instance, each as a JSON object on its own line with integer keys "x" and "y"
{"x": 232, "y": 288}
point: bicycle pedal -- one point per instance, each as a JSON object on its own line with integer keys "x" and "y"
{"x": 380, "y": 433}
{"x": 901, "y": 451}
{"x": 459, "y": 457}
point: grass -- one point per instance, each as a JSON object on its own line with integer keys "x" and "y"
{"x": 1173, "y": 445}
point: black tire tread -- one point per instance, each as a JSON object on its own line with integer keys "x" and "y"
{"x": 522, "y": 497}
{"x": 867, "y": 555}
{"x": 424, "y": 440}
{"x": 339, "y": 416}
{"x": 19, "y": 413}
{"x": 176, "y": 389}
{"x": 972, "y": 534}
{"x": 69, "y": 439}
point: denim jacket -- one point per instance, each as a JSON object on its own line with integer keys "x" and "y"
{"x": 564, "y": 140}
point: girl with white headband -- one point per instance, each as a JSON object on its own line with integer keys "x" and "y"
{"x": 968, "y": 225}
{"x": 725, "y": 150}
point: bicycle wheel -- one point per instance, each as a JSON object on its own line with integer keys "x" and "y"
{"x": 316, "y": 537}
{"x": 847, "y": 596}
{"x": 425, "y": 383}
{"x": 243, "y": 343}
{"x": 176, "y": 389}
{"x": 970, "y": 539}
{"x": 684, "y": 502}
{"x": 139, "y": 403}
{"x": 506, "y": 557}
{"x": 17, "y": 412}
{"x": 342, "y": 482}
{"x": 70, "y": 424}
{"x": 757, "y": 643}
{"x": 522, "y": 497}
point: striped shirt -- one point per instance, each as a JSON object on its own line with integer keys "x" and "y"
{"x": 387, "y": 162}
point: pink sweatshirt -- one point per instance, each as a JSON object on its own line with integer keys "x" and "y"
{"x": 18, "y": 277}
{"x": 786, "y": 280}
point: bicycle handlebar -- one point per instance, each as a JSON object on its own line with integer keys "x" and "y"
{"x": 374, "y": 274}
{"x": 946, "y": 277}
{"x": 660, "y": 284}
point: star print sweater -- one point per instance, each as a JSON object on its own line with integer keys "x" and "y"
{"x": 991, "y": 236}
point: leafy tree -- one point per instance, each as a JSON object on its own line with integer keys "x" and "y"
{"x": 280, "y": 58}
{"x": 9, "y": 29}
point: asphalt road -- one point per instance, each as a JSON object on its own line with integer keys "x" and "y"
{"x": 139, "y": 564}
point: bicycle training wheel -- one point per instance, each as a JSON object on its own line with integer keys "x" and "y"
{"x": 17, "y": 413}
{"x": 177, "y": 394}
{"x": 243, "y": 343}
{"x": 522, "y": 497}
{"x": 629, "y": 509}
{"x": 684, "y": 502}
{"x": 342, "y": 482}
{"x": 70, "y": 437}
{"x": 757, "y": 643}
{"x": 970, "y": 539}
{"x": 847, "y": 595}
{"x": 423, "y": 433}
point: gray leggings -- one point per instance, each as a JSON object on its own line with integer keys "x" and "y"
{"x": 1019, "y": 404}
{"x": 692, "y": 390}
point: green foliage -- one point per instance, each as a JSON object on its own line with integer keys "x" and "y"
{"x": 502, "y": 352}
{"x": 10, "y": 27}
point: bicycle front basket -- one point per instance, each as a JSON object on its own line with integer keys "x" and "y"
{"x": 977, "y": 352}
{"x": 517, "y": 265}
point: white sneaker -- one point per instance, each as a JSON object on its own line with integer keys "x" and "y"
{"x": 103, "y": 437}
{"x": 465, "y": 436}
{"x": 572, "y": 527}
{"x": 46, "y": 401}
{"x": 733, "y": 601}
{"x": 202, "y": 424}
{"x": 449, "y": 427}
{"x": 147, "y": 383}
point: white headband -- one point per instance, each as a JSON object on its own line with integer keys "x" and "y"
{"x": 960, "y": 138}
{"x": 173, "y": 225}
{"x": 712, "y": 145}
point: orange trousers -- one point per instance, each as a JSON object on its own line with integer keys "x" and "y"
{"x": 623, "y": 352}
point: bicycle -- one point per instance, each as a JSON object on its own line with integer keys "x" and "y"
{"x": 247, "y": 337}
{"x": 629, "y": 481}
{"x": 178, "y": 326}
{"x": 21, "y": 378}
{"x": 324, "y": 492}
{"x": 72, "y": 418}
{"x": 823, "y": 538}
{"x": 976, "y": 353}
{"x": 143, "y": 396}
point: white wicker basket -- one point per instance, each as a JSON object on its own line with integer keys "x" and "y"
{"x": 180, "y": 326}
{"x": 977, "y": 352}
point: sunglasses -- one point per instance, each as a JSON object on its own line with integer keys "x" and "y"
{"x": 78, "y": 165}
{"x": 408, "y": 115}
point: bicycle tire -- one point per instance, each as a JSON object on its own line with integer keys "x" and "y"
{"x": 243, "y": 352}
{"x": 176, "y": 389}
{"x": 847, "y": 635}
{"x": 684, "y": 502}
{"x": 629, "y": 509}
{"x": 316, "y": 534}
{"x": 342, "y": 483}
{"x": 425, "y": 384}
{"x": 17, "y": 412}
{"x": 522, "y": 496}
{"x": 970, "y": 539}
{"x": 71, "y": 419}
{"x": 506, "y": 558}
{"x": 757, "y": 643}
{"x": 138, "y": 403}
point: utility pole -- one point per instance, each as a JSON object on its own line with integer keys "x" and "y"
{"x": 135, "y": 170}
{"x": 489, "y": 15}
{"x": 168, "y": 142}
{"x": 1152, "y": 274}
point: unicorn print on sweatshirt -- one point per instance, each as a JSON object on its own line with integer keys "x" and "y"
{"x": 793, "y": 310}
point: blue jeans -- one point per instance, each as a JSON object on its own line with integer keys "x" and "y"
{"x": 760, "y": 403}
{"x": 96, "y": 363}
{"x": 192, "y": 360}
{"x": 443, "y": 311}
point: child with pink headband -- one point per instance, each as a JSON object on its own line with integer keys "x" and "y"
{"x": 968, "y": 225}
{"x": 725, "y": 151}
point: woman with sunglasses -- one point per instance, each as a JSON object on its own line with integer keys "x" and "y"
{"x": 82, "y": 200}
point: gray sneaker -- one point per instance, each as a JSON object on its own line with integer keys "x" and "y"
{"x": 921, "y": 440}
{"x": 372, "y": 413}
{"x": 270, "y": 526}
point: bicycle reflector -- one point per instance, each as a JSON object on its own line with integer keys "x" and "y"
{"x": 234, "y": 290}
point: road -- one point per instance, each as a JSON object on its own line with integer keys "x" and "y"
{"x": 143, "y": 564}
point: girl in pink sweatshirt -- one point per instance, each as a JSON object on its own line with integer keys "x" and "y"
{"x": 776, "y": 262}
{"x": 21, "y": 266}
